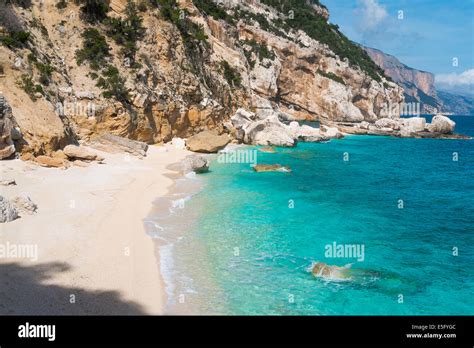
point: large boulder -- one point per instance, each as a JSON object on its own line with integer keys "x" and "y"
{"x": 74, "y": 152}
{"x": 331, "y": 132}
{"x": 387, "y": 123}
{"x": 269, "y": 132}
{"x": 195, "y": 163}
{"x": 412, "y": 125}
{"x": 441, "y": 124}
{"x": 207, "y": 142}
{"x": 113, "y": 143}
{"x": 7, "y": 210}
{"x": 306, "y": 133}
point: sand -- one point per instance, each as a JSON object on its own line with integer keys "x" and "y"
{"x": 94, "y": 256}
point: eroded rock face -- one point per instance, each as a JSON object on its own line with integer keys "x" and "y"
{"x": 7, "y": 148}
{"x": 441, "y": 124}
{"x": 207, "y": 142}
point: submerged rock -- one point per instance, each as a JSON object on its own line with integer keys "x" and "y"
{"x": 267, "y": 149}
{"x": 7, "y": 211}
{"x": 329, "y": 272}
{"x": 271, "y": 168}
{"x": 207, "y": 142}
{"x": 195, "y": 163}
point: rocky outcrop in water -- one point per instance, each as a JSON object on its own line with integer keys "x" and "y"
{"x": 272, "y": 132}
{"x": 271, "y": 168}
{"x": 330, "y": 272}
{"x": 413, "y": 127}
{"x": 441, "y": 124}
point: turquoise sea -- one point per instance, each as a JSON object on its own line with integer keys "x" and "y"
{"x": 243, "y": 244}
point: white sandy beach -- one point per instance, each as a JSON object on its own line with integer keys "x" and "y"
{"x": 92, "y": 245}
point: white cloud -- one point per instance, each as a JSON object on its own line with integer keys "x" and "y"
{"x": 371, "y": 14}
{"x": 454, "y": 79}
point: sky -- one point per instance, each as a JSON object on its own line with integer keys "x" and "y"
{"x": 430, "y": 35}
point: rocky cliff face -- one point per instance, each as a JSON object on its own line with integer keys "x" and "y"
{"x": 418, "y": 85}
{"x": 158, "y": 69}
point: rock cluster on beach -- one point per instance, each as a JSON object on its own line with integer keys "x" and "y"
{"x": 16, "y": 207}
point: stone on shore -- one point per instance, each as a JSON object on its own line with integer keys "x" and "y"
{"x": 113, "y": 144}
{"x": 271, "y": 168}
{"x": 195, "y": 163}
{"x": 207, "y": 142}
{"x": 441, "y": 124}
{"x": 7, "y": 182}
{"x": 51, "y": 162}
{"x": 24, "y": 204}
{"x": 74, "y": 152}
{"x": 7, "y": 211}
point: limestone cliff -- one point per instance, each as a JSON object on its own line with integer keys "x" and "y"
{"x": 419, "y": 85}
{"x": 156, "y": 69}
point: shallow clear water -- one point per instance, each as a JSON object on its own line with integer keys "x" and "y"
{"x": 243, "y": 250}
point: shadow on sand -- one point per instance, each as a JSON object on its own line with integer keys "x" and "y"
{"x": 24, "y": 290}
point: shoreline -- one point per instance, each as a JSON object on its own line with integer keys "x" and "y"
{"x": 94, "y": 256}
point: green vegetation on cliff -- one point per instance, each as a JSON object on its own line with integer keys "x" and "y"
{"x": 304, "y": 17}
